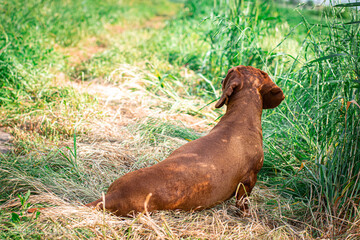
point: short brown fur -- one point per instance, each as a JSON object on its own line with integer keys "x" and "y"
{"x": 211, "y": 169}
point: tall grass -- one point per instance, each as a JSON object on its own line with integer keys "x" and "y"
{"x": 315, "y": 160}
{"x": 332, "y": 122}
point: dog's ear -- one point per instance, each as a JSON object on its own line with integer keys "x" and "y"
{"x": 231, "y": 81}
{"x": 273, "y": 97}
{"x": 271, "y": 94}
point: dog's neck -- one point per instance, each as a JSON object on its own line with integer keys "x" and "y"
{"x": 244, "y": 109}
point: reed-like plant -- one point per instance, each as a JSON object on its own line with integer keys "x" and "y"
{"x": 315, "y": 161}
{"x": 330, "y": 101}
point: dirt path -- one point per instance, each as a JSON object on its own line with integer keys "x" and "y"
{"x": 110, "y": 141}
{"x": 116, "y": 143}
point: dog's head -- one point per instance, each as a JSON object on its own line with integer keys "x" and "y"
{"x": 242, "y": 78}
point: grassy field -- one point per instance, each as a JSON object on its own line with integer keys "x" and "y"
{"x": 91, "y": 90}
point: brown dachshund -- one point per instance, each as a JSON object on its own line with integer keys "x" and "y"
{"x": 211, "y": 169}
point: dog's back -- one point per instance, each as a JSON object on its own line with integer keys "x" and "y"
{"x": 209, "y": 170}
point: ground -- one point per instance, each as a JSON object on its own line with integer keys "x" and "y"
{"x": 115, "y": 140}
{"x": 124, "y": 98}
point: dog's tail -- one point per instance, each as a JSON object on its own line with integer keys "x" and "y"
{"x": 98, "y": 204}
{"x": 32, "y": 210}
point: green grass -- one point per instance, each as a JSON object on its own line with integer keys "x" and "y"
{"x": 156, "y": 131}
{"x": 311, "y": 140}
{"x": 31, "y": 34}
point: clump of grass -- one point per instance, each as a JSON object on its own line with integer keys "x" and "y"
{"x": 156, "y": 131}
{"x": 333, "y": 132}
{"x": 317, "y": 151}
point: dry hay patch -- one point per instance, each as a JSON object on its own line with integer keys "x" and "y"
{"x": 220, "y": 222}
{"x": 84, "y": 49}
{"x": 125, "y": 99}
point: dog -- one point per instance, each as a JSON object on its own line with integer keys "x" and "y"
{"x": 211, "y": 169}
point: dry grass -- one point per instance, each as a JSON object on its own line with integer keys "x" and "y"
{"x": 84, "y": 50}
{"x": 112, "y": 143}
{"x": 221, "y": 222}
{"x": 113, "y": 146}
